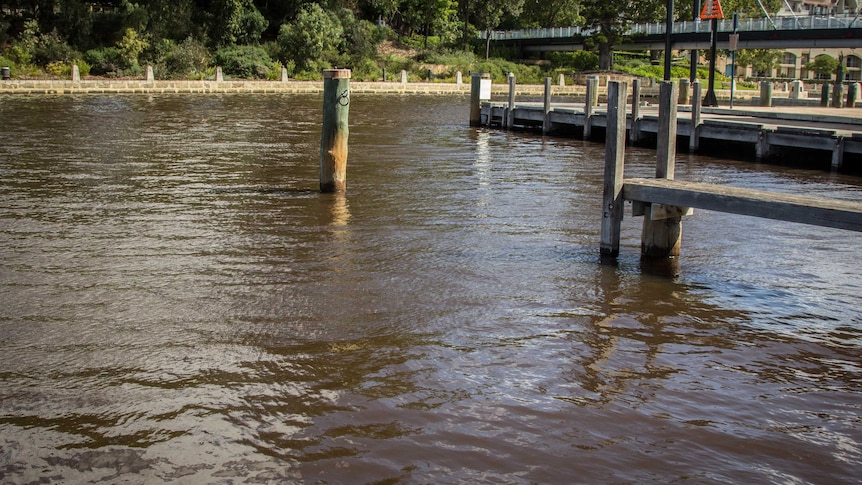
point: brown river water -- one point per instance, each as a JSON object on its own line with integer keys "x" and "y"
{"x": 179, "y": 304}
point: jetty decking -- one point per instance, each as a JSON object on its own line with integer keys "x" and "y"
{"x": 831, "y": 137}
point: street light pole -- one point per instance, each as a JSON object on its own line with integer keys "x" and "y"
{"x": 667, "y": 40}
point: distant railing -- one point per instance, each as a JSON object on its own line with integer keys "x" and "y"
{"x": 807, "y": 22}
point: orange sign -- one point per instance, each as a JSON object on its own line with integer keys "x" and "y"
{"x": 711, "y": 10}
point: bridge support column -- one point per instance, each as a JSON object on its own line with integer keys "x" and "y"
{"x": 662, "y": 237}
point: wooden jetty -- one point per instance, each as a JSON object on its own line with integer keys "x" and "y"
{"x": 762, "y": 134}
{"x": 664, "y": 202}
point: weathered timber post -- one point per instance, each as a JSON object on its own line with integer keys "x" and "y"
{"x": 662, "y": 234}
{"x": 476, "y": 98}
{"x": 612, "y": 201}
{"x": 766, "y": 94}
{"x": 694, "y": 139}
{"x": 590, "y": 104}
{"x": 510, "y": 112}
{"x": 634, "y": 132}
{"x": 838, "y": 95}
{"x": 546, "y": 121}
{"x": 824, "y": 95}
{"x": 333, "y": 139}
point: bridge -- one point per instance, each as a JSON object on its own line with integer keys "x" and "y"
{"x": 783, "y": 32}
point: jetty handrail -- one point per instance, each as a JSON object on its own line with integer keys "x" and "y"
{"x": 756, "y": 24}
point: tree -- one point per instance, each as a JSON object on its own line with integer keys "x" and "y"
{"x": 760, "y": 60}
{"x": 428, "y": 16}
{"x": 313, "y": 34}
{"x": 612, "y": 17}
{"x": 552, "y": 13}
{"x": 823, "y": 65}
{"x": 487, "y": 14}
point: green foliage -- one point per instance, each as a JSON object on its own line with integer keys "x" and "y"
{"x": 824, "y": 65}
{"x": 577, "y": 60}
{"x": 248, "y": 62}
{"x": 105, "y": 61}
{"x": 52, "y": 48}
{"x": 131, "y": 46}
{"x": 188, "y": 59}
{"x": 310, "y": 39}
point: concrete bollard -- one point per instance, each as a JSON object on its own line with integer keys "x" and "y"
{"x": 838, "y": 95}
{"x": 219, "y": 76}
{"x": 333, "y": 138}
{"x": 561, "y": 80}
{"x": 284, "y": 77}
{"x": 852, "y": 94}
{"x": 684, "y": 94}
{"x": 797, "y": 90}
{"x": 459, "y": 79}
{"x": 825, "y": 95}
{"x": 76, "y": 74}
{"x": 150, "y": 76}
{"x": 403, "y": 76}
{"x": 766, "y": 94}
{"x": 634, "y": 133}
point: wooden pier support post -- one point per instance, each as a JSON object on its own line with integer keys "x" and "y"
{"x": 612, "y": 201}
{"x": 694, "y": 139}
{"x": 634, "y": 132}
{"x": 662, "y": 234}
{"x": 825, "y": 94}
{"x": 333, "y": 138}
{"x": 684, "y": 96}
{"x": 546, "y": 121}
{"x": 590, "y": 104}
{"x": 509, "y": 122}
{"x": 475, "y": 101}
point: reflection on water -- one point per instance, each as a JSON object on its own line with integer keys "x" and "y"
{"x": 179, "y": 304}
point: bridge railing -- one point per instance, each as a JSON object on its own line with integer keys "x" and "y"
{"x": 692, "y": 26}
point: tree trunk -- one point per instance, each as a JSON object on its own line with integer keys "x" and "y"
{"x": 605, "y": 56}
{"x": 488, "y": 45}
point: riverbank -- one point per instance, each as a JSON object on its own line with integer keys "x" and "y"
{"x": 140, "y": 86}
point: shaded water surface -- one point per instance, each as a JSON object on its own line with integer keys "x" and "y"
{"x": 179, "y": 304}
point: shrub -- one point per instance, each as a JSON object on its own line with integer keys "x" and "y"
{"x": 188, "y": 59}
{"x": 104, "y": 61}
{"x": 248, "y": 62}
{"x": 51, "y": 48}
{"x": 311, "y": 38}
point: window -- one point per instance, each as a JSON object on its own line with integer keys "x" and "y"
{"x": 788, "y": 58}
{"x": 853, "y": 61}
